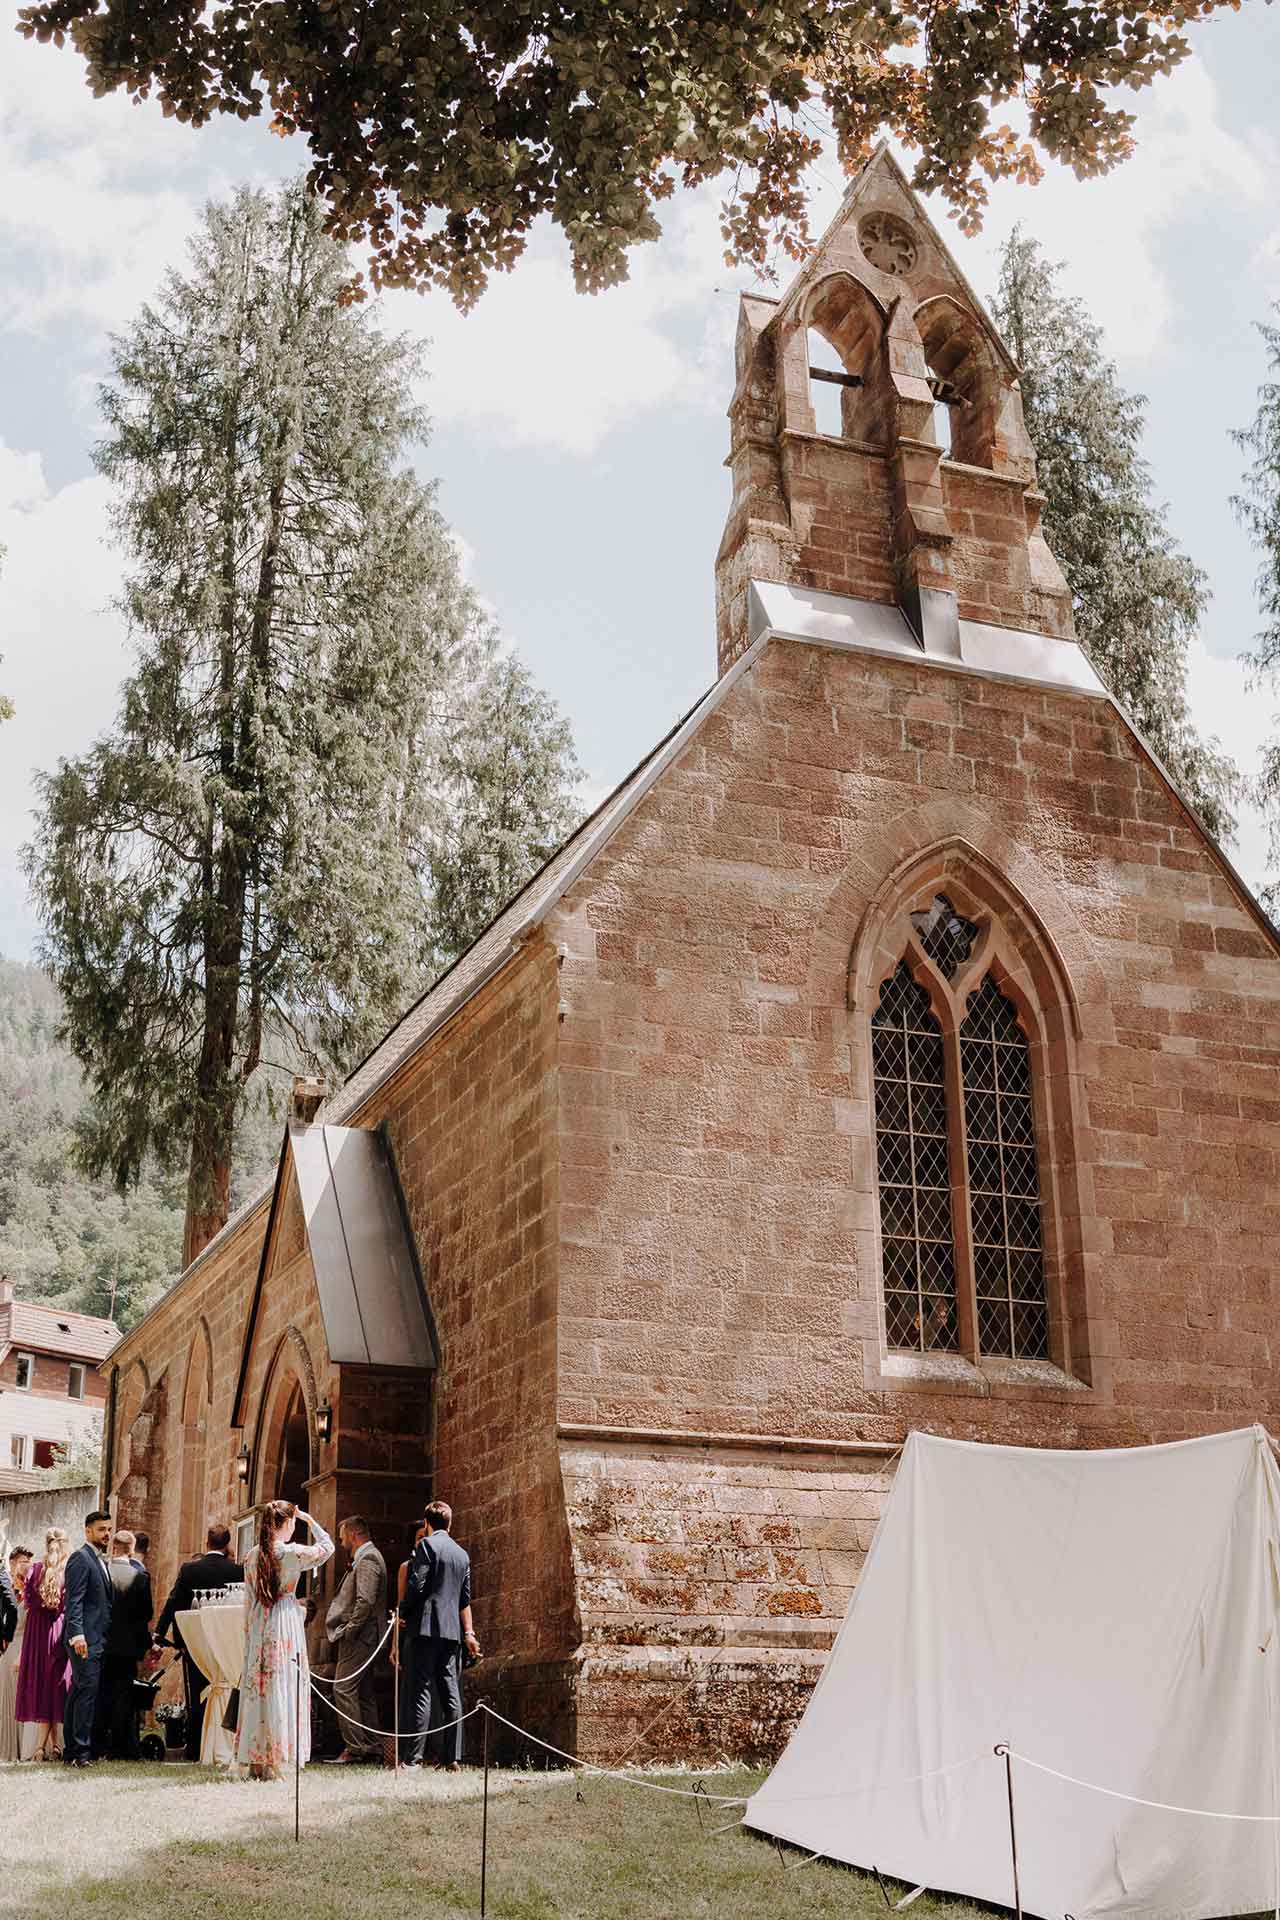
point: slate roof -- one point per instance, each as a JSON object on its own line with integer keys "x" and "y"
{"x": 36, "y": 1328}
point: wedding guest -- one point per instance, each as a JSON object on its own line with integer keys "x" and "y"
{"x": 128, "y": 1639}
{"x": 90, "y": 1600}
{"x": 437, "y": 1612}
{"x": 214, "y": 1568}
{"x": 276, "y": 1671}
{"x": 355, "y": 1625}
{"x": 10, "y": 1745}
{"x": 8, "y": 1608}
{"x": 141, "y": 1548}
{"x": 401, "y": 1664}
{"x": 44, "y": 1673}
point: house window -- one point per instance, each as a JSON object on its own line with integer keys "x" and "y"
{"x": 959, "y": 1185}
{"x": 18, "y": 1446}
{"x": 44, "y": 1453}
{"x": 26, "y": 1371}
{"x": 75, "y": 1380}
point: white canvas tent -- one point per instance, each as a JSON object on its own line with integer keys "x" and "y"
{"x": 1112, "y": 1615}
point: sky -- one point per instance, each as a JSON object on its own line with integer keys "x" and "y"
{"x": 579, "y": 440}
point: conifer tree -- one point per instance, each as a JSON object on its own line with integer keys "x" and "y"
{"x": 1137, "y": 600}
{"x": 239, "y": 860}
{"x": 1259, "y": 510}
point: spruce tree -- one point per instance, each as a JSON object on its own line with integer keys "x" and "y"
{"x": 1137, "y": 599}
{"x": 1259, "y": 510}
{"x": 505, "y": 770}
{"x": 238, "y": 861}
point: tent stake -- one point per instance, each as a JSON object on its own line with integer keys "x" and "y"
{"x": 1004, "y": 1752}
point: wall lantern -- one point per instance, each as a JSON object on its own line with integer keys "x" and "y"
{"x": 242, "y": 1466}
{"x": 324, "y": 1423}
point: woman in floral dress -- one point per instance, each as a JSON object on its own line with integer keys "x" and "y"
{"x": 11, "y": 1659}
{"x": 274, "y": 1637}
{"x": 44, "y": 1671}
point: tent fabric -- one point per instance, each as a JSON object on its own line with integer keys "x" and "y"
{"x": 1109, "y": 1614}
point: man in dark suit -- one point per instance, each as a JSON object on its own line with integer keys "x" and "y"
{"x": 8, "y": 1608}
{"x": 128, "y": 1638}
{"x": 214, "y": 1568}
{"x": 437, "y": 1614}
{"x": 88, "y": 1597}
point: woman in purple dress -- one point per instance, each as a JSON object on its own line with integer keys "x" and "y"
{"x": 44, "y": 1673}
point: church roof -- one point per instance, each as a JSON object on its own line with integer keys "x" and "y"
{"x": 372, "y": 1298}
{"x": 777, "y": 613}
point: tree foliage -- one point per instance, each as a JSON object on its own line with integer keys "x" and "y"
{"x": 77, "y": 1462}
{"x": 1137, "y": 599}
{"x": 440, "y": 135}
{"x": 65, "y": 1238}
{"x": 1259, "y": 510}
{"x": 245, "y": 857}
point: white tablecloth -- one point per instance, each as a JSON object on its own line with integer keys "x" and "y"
{"x": 214, "y": 1637}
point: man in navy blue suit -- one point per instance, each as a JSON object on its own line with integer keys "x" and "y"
{"x": 437, "y": 1613}
{"x": 88, "y": 1597}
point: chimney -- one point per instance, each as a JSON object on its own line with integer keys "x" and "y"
{"x": 306, "y": 1099}
{"x": 6, "y": 1290}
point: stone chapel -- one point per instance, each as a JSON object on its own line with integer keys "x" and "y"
{"x": 893, "y": 1049}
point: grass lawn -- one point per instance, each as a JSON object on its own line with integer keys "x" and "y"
{"x": 174, "y": 1842}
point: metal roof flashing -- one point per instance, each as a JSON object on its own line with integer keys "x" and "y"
{"x": 777, "y": 612}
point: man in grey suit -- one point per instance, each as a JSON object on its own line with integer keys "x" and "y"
{"x": 88, "y": 1598}
{"x": 437, "y": 1614}
{"x": 355, "y": 1623}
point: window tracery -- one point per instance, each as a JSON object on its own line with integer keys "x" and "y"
{"x": 956, "y": 1156}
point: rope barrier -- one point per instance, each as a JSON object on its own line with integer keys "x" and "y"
{"x": 609, "y": 1773}
{"x": 1136, "y": 1800}
{"x": 341, "y": 1679}
{"x": 878, "y": 1786}
{"x": 384, "y": 1733}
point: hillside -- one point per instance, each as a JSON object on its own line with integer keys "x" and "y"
{"x": 65, "y": 1238}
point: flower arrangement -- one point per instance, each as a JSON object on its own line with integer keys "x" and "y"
{"x": 171, "y": 1710}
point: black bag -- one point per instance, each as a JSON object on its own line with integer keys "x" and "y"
{"x": 231, "y": 1718}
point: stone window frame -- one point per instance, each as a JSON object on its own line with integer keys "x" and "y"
{"x": 1016, "y": 948}
{"x": 75, "y": 1367}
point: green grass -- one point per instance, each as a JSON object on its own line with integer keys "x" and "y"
{"x": 178, "y": 1843}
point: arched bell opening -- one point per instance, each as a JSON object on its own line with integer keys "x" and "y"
{"x": 849, "y": 386}
{"x": 964, "y": 379}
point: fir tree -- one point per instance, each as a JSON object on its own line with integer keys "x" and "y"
{"x": 1137, "y": 600}
{"x": 239, "y": 857}
{"x": 1259, "y": 511}
{"x": 507, "y": 769}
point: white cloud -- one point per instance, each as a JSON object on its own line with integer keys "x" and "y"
{"x": 1108, "y": 231}
{"x": 100, "y": 195}
{"x": 64, "y": 649}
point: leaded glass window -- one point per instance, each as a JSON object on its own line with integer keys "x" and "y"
{"x": 913, "y": 1168}
{"x": 963, "y": 1260}
{"x": 1004, "y": 1184}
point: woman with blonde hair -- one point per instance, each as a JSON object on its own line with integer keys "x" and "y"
{"x": 277, "y": 1677}
{"x": 44, "y": 1672}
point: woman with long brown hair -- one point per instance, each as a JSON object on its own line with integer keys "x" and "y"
{"x": 275, "y": 1643}
{"x": 44, "y": 1672}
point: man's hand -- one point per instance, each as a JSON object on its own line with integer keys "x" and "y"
{"x": 80, "y": 1646}
{"x": 472, "y": 1644}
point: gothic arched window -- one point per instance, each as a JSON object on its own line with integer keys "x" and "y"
{"x": 956, "y": 1165}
